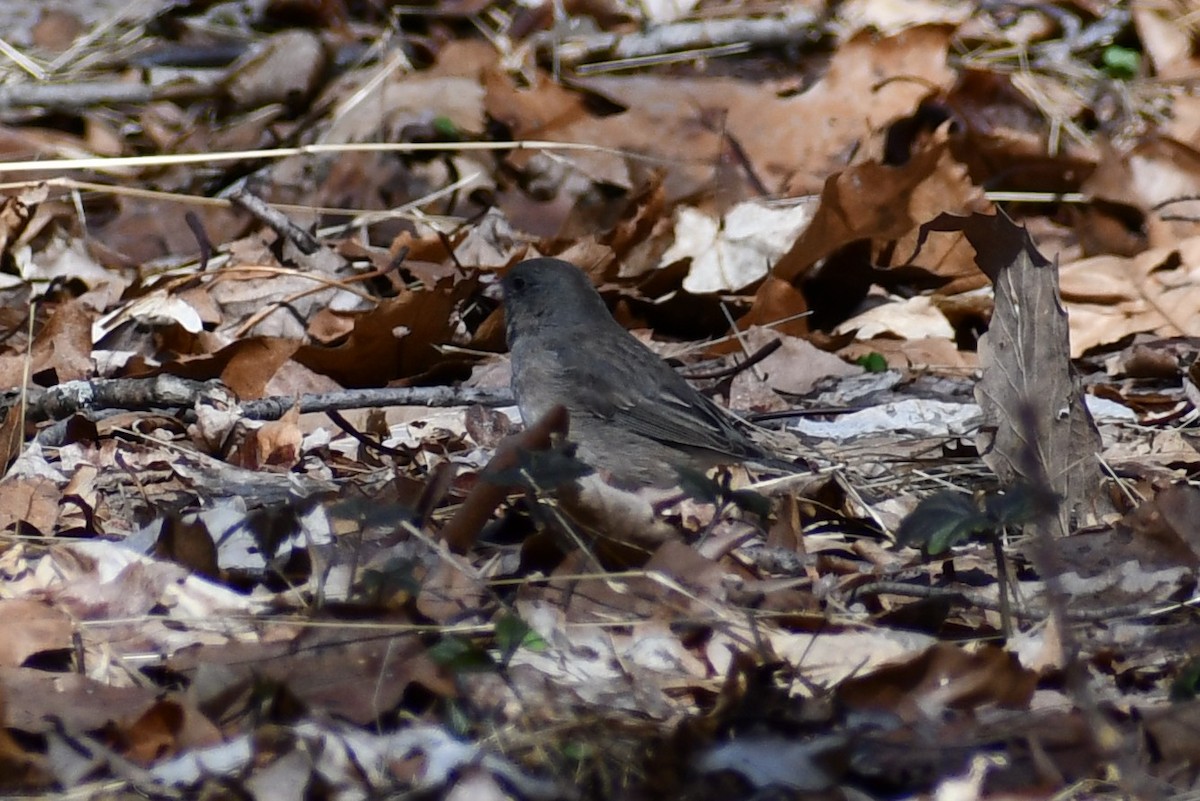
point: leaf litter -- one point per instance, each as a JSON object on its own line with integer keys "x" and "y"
{"x": 258, "y": 538}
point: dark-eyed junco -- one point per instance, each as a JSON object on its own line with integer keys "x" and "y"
{"x": 630, "y": 413}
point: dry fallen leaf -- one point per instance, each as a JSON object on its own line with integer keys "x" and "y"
{"x": 1037, "y": 427}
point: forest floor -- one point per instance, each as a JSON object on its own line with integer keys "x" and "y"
{"x": 269, "y": 528}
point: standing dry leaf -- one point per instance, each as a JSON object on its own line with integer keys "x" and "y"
{"x": 1035, "y": 421}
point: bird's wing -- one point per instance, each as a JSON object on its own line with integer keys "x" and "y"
{"x": 649, "y": 398}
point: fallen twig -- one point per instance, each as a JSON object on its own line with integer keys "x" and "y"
{"x": 167, "y": 392}
{"x": 72, "y": 96}
{"x": 796, "y": 26}
{"x": 745, "y": 364}
{"x": 983, "y": 602}
{"x": 276, "y": 220}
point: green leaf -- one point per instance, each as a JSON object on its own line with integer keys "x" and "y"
{"x": 1017, "y": 506}
{"x": 698, "y": 486}
{"x": 1187, "y": 684}
{"x": 459, "y": 655}
{"x": 456, "y": 718}
{"x": 393, "y": 578}
{"x": 872, "y": 362}
{"x": 1121, "y": 63}
{"x": 446, "y": 128}
{"x": 512, "y": 633}
{"x": 577, "y": 751}
{"x": 942, "y": 521}
{"x": 753, "y": 502}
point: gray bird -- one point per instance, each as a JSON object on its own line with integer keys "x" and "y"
{"x": 631, "y": 414}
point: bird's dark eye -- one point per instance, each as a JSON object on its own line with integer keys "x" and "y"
{"x": 517, "y": 283}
